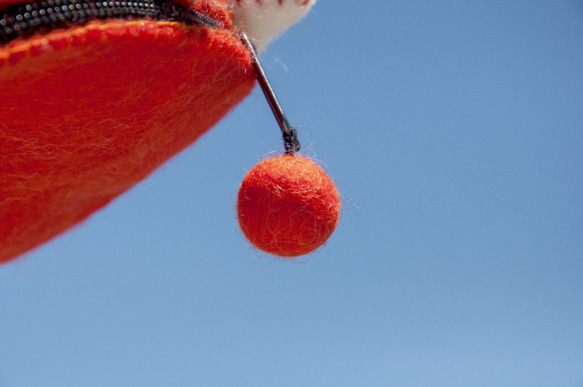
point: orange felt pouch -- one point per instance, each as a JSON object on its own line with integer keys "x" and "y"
{"x": 88, "y": 111}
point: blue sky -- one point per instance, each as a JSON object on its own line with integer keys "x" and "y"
{"x": 454, "y": 131}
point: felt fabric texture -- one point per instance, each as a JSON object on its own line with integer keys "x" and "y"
{"x": 288, "y": 206}
{"x": 90, "y": 111}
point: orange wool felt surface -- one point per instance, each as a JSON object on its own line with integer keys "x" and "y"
{"x": 288, "y": 206}
{"x": 88, "y": 112}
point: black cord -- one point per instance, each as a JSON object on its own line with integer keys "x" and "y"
{"x": 290, "y": 134}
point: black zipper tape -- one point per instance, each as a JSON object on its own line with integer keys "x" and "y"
{"x": 27, "y": 19}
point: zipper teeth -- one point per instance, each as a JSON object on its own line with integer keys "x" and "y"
{"x": 27, "y": 19}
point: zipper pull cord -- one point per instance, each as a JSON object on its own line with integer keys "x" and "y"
{"x": 290, "y": 134}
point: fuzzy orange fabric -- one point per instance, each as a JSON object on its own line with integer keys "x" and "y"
{"x": 288, "y": 206}
{"x": 88, "y": 112}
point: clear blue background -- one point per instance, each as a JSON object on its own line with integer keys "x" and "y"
{"x": 454, "y": 130}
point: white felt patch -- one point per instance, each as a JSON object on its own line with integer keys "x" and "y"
{"x": 262, "y": 20}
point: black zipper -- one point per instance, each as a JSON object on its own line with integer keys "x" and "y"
{"x": 27, "y": 19}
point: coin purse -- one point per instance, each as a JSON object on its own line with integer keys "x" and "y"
{"x": 94, "y": 96}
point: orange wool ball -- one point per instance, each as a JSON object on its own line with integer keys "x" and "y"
{"x": 288, "y": 206}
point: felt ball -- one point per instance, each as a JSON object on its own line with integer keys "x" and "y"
{"x": 288, "y": 206}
